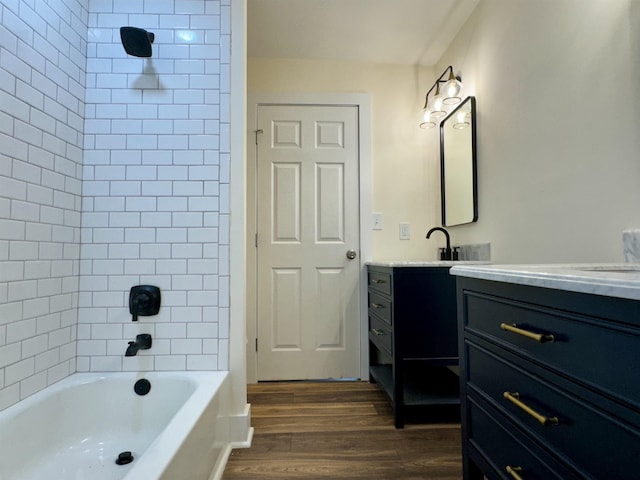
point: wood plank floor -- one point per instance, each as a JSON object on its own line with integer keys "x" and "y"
{"x": 339, "y": 430}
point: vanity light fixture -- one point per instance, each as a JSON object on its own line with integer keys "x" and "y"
{"x": 435, "y": 108}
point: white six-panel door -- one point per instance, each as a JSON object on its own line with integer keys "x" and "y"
{"x": 308, "y": 310}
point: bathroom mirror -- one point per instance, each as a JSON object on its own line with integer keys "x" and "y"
{"x": 458, "y": 177}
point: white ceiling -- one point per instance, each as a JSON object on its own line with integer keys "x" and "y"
{"x": 408, "y": 32}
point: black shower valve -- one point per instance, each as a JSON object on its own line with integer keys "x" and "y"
{"x": 144, "y": 300}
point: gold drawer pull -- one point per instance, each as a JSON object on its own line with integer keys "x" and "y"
{"x": 514, "y": 472}
{"x": 514, "y": 397}
{"x": 377, "y": 331}
{"x": 377, "y": 306}
{"x": 538, "y": 337}
{"x": 377, "y": 281}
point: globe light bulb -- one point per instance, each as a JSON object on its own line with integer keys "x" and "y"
{"x": 452, "y": 90}
{"x": 461, "y": 121}
{"x": 426, "y": 119}
{"x": 435, "y": 105}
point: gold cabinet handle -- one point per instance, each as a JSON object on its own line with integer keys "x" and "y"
{"x": 514, "y": 472}
{"x": 514, "y": 397}
{"x": 377, "y": 281}
{"x": 377, "y": 306}
{"x": 538, "y": 337}
{"x": 377, "y": 331}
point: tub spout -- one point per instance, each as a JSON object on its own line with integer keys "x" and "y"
{"x": 143, "y": 342}
{"x": 132, "y": 349}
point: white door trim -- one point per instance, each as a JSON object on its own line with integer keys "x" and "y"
{"x": 363, "y": 102}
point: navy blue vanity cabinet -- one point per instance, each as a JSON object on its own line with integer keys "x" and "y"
{"x": 550, "y": 383}
{"x": 413, "y": 340}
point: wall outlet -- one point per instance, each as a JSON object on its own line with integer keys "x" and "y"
{"x": 405, "y": 231}
{"x": 377, "y": 221}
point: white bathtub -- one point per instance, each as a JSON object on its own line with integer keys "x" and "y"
{"x": 75, "y": 429}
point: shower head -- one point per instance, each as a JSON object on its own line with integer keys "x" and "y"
{"x": 136, "y": 41}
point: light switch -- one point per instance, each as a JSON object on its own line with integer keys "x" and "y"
{"x": 405, "y": 231}
{"x": 377, "y": 221}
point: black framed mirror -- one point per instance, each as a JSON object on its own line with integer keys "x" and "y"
{"x": 458, "y": 165}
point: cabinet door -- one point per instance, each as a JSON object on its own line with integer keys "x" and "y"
{"x": 425, "y": 314}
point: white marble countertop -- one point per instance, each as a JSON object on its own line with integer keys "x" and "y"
{"x": 608, "y": 279}
{"x": 417, "y": 263}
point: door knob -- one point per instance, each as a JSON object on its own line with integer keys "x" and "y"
{"x": 351, "y": 254}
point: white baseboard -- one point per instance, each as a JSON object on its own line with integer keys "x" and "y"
{"x": 240, "y": 430}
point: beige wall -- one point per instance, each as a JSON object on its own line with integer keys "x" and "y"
{"x": 558, "y": 106}
{"x": 405, "y": 182}
{"x": 557, "y": 84}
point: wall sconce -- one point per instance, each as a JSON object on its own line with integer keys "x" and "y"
{"x": 434, "y": 108}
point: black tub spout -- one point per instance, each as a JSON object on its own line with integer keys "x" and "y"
{"x": 143, "y": 342}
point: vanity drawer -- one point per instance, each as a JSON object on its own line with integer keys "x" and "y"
{"x": 502, "y": 445}
{"x": 380, "y": 306}
{"x": 380, "y": 281}
{"x": 576, "y": 338}
{"x": 380, "y": 334}
{"x": 575, "y": 429}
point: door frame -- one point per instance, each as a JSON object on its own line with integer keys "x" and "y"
{"x": 363, "y": 102}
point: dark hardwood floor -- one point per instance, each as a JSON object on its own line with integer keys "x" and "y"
{"x": 339, "y": 430}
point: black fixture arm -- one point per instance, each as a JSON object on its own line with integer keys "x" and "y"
{"x": 440, "y": 229}
{"x": 441, "y": 80}
{"x": 447, "y": 254}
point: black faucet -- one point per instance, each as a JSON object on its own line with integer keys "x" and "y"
{"x": 446, "y": 254}
{"x": 143, "y": 342}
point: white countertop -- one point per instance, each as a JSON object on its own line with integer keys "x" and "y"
{"x": 610, "y": 279}
{"x": 416, "y": 263}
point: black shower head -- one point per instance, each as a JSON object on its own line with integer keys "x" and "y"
{"x": 136, "y": 41}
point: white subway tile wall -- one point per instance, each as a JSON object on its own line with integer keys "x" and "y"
{"x": 153, "y": 196}
{"x": 114, "y": 172}
{"x": 42, "y": 80}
